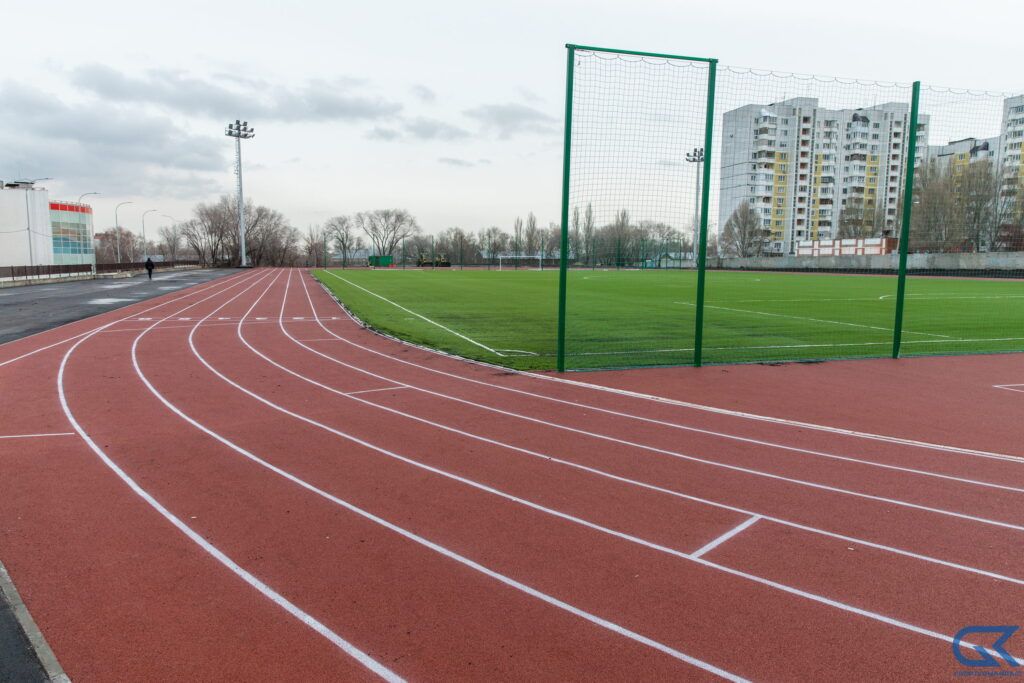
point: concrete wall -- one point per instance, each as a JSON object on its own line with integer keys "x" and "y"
{"x": 998, "y": 262}
{"x": 14, "y": 235}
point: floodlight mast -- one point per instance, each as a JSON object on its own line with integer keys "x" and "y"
{"x": 240, "y": 130}
{"x": 696, "y": 156}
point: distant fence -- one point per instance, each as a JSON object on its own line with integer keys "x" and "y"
{"x": 57, "y": 271}
{"x": 141, "y": 265}
{"x": 34, "y": 272}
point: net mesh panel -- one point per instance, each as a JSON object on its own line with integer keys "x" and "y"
{"x": 632, "y": 200}
{"x": 966, "y": 248}
{"x": 808, "y": 171}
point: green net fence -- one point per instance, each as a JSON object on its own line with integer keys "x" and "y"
{"x": 966, "y": 242}
{"x": 807, "y": 181}
{"x": 638, "y": 125}
{"x": 719, "y": 214}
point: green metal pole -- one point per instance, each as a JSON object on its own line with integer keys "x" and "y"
{"x": 563, "y": 257}
{"x": 702, "y": 251}
{"x": 908, "y": 205}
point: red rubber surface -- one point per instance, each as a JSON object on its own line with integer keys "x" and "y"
{"x": 867, "y": 555}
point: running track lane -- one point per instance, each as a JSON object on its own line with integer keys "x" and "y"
{"x": 240, "y": 520}
{"x": 264, "y": 377}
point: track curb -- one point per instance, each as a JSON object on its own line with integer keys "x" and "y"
{"x": 9, "y": 594}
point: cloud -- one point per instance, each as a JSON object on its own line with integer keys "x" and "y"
{"x": 114, "y": 150}
{"x": 452, "y": 161}
{"x": 339, "y": 99}
{"x": 378, "y": 133}
{"x": 423, "y": 93}
{"x": 432, "y": 129}
{"x": 529, "y": 95}
{"x": 420, "y": 128}
{"x": 509, "y": 120}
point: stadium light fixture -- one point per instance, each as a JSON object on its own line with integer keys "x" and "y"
{"x": 240, "y": 130}
{"x": 696, "y": 157}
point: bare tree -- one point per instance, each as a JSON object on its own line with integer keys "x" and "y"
{"x": 386, "y": 228}
{"x": 170, "y": 241}
{"x": 587, "y": 239}
{"x": 531, "y": 235}
{"x": 744, "y": 234}
{"x": 575, "y": 235}
{"x": 517, "y": 235}
{"x": 341, "y": 230}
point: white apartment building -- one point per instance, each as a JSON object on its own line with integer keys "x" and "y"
{"x": 1010, "y": 168}
{"x": 959, "y": 153}
{"x": 801, "y": 166}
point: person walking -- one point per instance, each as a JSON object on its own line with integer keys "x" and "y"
{"x": 149, "y": 267}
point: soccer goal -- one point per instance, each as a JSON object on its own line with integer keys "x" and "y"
{"x": 516, "y": 261}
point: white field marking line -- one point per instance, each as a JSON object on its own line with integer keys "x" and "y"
{"x": 714, "y": 543}
{"x": 1010, "y": 387}
{"x": 422, "y": 317}
{"x": 645, "y": 485}
{"x": 450, "y": 554}
{"x": 208, "y": 547}
{"x": 621, "y": 535}
{"x": 35, "y": 436}
{"x": 370, "y": 391}
{"x": 927, "y": 297}
{"x": 813, "y": 320}
{"x": 673, "y": 425}
{"x": 635, "y": 394}
{"x": 77, "y": 336}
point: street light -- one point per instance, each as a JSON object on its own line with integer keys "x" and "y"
{"x": 144, "y": 230}
{"x": 696, "y": 156}
{"x": 117, "y": 230}
{"x": 92, "y": 241}
{"x": 240, "y": 130}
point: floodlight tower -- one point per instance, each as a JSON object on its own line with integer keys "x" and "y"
{"x": 240, "y": 130}
{"x": 696, "y": 156}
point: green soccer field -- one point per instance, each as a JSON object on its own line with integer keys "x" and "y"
{"x": 637, "y": 318}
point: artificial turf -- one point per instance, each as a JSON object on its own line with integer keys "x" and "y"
{"x": 629, "y": 318}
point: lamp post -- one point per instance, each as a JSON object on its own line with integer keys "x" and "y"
{"x": 240, "y": 130}
{"x": 144, "y": 231}
{"x": 696, "y": 156}
{"x": 117, "y": 230}
{"x": 92, "y": 241}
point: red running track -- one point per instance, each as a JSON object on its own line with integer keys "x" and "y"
{"x": 239, "y": 481}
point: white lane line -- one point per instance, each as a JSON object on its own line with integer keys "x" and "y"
{"x": 561, "y": 515}
{"x": 813, "y": 320}
{"x": 725, "y": 537}
{"x": 230, "y": 278}
{"x": 555, "y": 602}
{"x": 625, "y": 480}
{"x": 370, "y": 391}
{"x": 35, "y": 436}
{"x": 715, "y": 463}
{"x": 196, "y": 538}
{"x": 648, "y": 397}
{"x": 683, "y": 427}
{"x": 1010, "y": 387}
{"x": 421, "y": 317}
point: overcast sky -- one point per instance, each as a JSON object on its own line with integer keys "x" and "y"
{"x": 451, "y": 109}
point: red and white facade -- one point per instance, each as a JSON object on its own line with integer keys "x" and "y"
{"x": 866, "y": 246}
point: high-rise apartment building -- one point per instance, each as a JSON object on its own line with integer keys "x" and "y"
{"x": 814, "y": 173}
